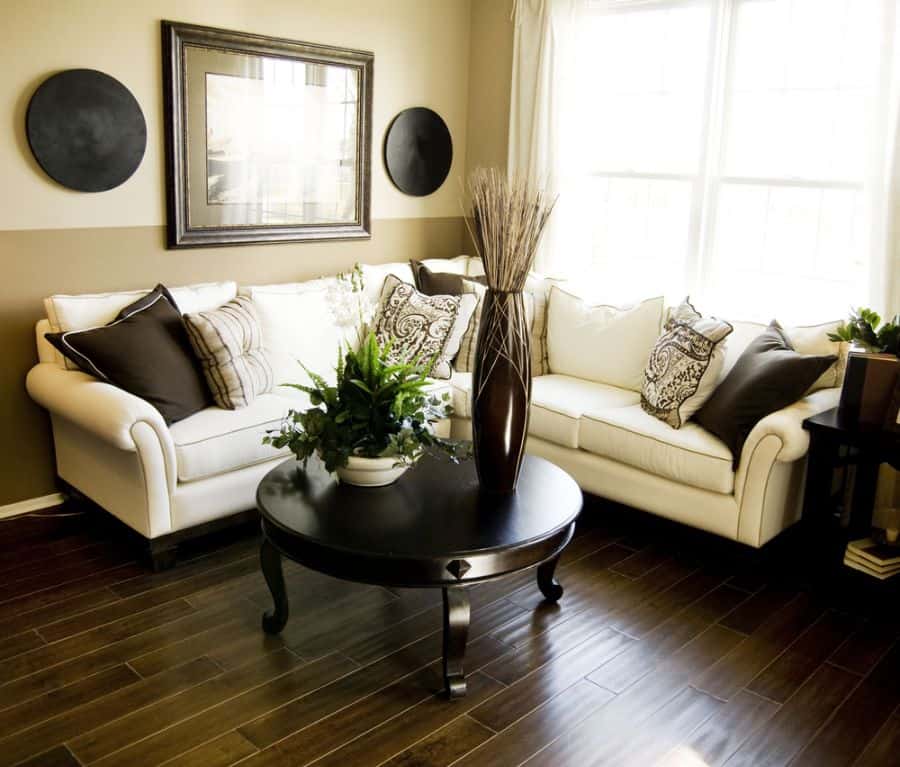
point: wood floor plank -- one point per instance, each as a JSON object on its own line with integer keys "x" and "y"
{"x": 534, "y": 731}
{"x": 373, "y": 647}
{"x": 759, "y": 608}
{"x": 400, "y": 680}
{"x": 58, "y": 757}
{"x": 390, "y": 735}
{"x": 105, "y": 710}
{"x": 654, "y": 733}
{"x": 443, "y": 746}
{"x": 144, "y": 601}
{"x": 202, "y": 565}
{"x": 668, "y": 680}
{"x": 642, "y": 657}
{"x": 858, "y": 720}
{"x": 751, "y": 656}
{"x": 20, "y": 643}
{"x": 15, "y": 617}
{"x": 30, "y": 712}
{"x": 59, "y": 652}
{"x": 883, "y": 750}
{"x": 69, "y": 569}
{"x": 867, "y": 646}
{"x": 54, "y": 677}
{"x": 239, "y": 623}
{"x": 788, "y": 671}
{"x": 647, "y": 616}
{"x": 220, "y": 752}
{"x": 548, "y": 681}
{"x": 133, "y": 727}
{"x": 796, "y": 721}
{"x": 643, "y": 560}
{"x": 716, "y": 739}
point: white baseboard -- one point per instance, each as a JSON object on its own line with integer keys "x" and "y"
{"x": 31, "y": 504}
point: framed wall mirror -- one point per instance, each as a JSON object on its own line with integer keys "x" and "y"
{"x": 267, "y": 140}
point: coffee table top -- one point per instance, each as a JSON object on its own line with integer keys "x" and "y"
{"x": 434, "y": 509}
{"x": 432, "y": 527}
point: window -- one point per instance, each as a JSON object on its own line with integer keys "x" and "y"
{"x": 730, "y": 149}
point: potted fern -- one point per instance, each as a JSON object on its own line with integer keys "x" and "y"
{"x": 375, "y": 422}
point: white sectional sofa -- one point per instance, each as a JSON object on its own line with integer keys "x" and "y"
{"x": 165, "y": 481}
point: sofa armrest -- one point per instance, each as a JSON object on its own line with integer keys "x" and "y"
{"x": 109, "y": 413}
{"x": 779, "y": 438}
{"x": 787, "y": 425}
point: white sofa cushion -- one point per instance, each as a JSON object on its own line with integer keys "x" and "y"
{"x": 806, "y": 339}
{"x": 606, "y": 344}
{"x": 216, "y": 441}
{"x": 690, "y": 455}
{"x": 374, "y": 277}
{"x": 91, "y": 310}
{"x": 298, "y": 325}
{"x": 558, "y": 402}
{"x": 461, "y": 393}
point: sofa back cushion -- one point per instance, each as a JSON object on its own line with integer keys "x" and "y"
{"x": 808, "y": 339}
{"x": 92, "y": 310}
{"x": 298, "y": 325}
{"x": 606, "y": 344}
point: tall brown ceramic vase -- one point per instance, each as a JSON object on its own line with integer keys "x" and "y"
{"x": 501, "y": 391}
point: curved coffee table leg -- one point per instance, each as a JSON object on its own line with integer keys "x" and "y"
{"x": 548, "y": 585}
{"x": 456, "y": 631}
{"x": 270, "y": 559}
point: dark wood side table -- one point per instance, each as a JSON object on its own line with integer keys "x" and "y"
{"x": 835, "y": 441}
{"x": 433, "y": 528}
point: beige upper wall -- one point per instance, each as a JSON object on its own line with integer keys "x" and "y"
{"x": 490, "y": 76}
{"x": 421, "y": 59}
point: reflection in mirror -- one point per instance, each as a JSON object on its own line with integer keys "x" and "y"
{"x": 281, "y": 140}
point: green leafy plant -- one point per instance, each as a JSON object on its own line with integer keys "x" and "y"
{"x": 374, "y": 410}
{"x": 864, "y": 328}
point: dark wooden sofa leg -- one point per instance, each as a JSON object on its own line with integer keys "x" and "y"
{"x": 162, "y": 555}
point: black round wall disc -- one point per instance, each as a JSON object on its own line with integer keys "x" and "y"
{"x": 86, "y": 130}
{"x": 418, "y": 151}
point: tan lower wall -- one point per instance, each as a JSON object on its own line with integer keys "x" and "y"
{"x": 39, "y": 262}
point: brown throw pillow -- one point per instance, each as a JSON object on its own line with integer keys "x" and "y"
{"x": 433, "y": 283}
{"x": 768, "y": 376}
{"x": 144, "y": 351}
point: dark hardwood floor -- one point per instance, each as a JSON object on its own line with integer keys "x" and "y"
{"x": 668, "y": 648}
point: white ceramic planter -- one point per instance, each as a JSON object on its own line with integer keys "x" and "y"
{"x": 370, "y": 472}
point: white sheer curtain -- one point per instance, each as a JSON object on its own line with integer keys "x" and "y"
{"x": 742, "y": 151}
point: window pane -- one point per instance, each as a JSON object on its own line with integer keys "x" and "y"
{"x": 802, "y": 71}
{"x": 642, "y": 89}
{"x": 640, "y": 237}
{"x": 794, "y": 251}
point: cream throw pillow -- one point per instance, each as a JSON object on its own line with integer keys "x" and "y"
{"x": 605, "y": 344}
{"x": 684, "y": 365}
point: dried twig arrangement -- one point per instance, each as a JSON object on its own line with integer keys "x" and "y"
{"x": 507, "y": 219}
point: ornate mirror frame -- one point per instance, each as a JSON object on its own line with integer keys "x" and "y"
{"x": 183, "y": 230}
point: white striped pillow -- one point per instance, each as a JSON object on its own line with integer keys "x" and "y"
{"x": 228, "y": 343}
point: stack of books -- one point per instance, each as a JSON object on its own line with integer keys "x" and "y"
{"x": 873, "y": 558}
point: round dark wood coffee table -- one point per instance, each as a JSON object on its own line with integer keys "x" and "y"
{"x": 433, "y": 528}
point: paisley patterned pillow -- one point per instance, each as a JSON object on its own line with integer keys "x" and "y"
{"x": 422, "y": 326}
{"x": 684, "y": 365}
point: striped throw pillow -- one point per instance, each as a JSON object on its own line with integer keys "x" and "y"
{"x": 228, "y": 343}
